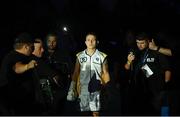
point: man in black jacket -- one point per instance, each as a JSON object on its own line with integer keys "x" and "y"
{"x": 50, "y": 91}
{"x": 16, "y": 75}
{"x": 151, "y": 73}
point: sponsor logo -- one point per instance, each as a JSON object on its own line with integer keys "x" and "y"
{"x": 83, "y": 59}
{"x": 150, "y": 59}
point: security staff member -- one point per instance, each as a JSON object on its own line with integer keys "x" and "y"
{"x": 17, "y": 72}
{"x": 151, "y": 72}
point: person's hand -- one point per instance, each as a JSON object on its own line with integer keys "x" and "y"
{"x": 72, "y": 94}
{"x": 130, "y": 57}
{"x": 152, "y": 45}
{"x": 31, "y": 64}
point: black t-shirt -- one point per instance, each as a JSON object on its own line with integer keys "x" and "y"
{"x": 21, "y": 86}
{"x": 42, "y": 69}
{"x": 158, "y": 64}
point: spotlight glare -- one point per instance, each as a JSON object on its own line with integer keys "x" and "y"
{"x": 65, "y": 29}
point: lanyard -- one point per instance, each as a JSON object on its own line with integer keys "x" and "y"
{"x": 144, "y": 57}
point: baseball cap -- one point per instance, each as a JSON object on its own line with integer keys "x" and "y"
{"x": 24, "y": 38}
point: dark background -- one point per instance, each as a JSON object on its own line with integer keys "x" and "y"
{"x": 108, "y": 18}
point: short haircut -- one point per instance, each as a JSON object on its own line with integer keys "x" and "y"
{"x": 38, "y": 40}
{"x": 143, "y": 36}
{"x": 24, "y": 38}
{"x": 92, "y": 33}
{"x": 18, "y": 45}
{"x": 53, "y": 34}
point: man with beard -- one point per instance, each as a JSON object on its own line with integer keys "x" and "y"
{"x": 57, "y": 58}
{"x": 59, "y": 61}
{"x": 151, "y": 73}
